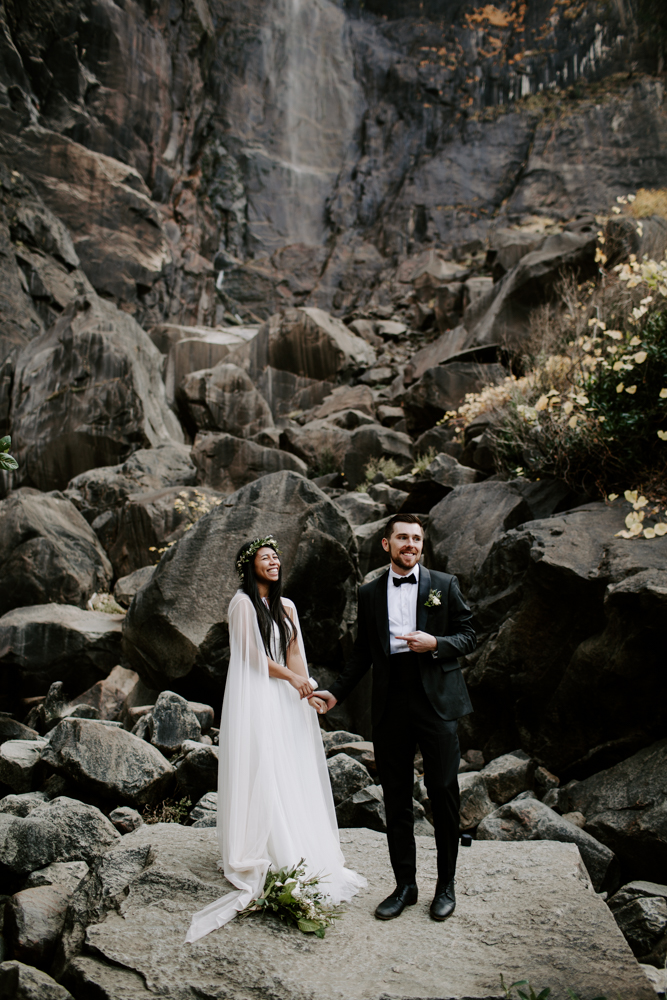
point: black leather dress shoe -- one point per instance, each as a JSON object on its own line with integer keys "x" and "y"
{"x": 444, "y": 901}
{"x": 393, "y": 906}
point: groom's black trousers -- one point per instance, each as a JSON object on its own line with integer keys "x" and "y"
{"x": 409, "y": 720}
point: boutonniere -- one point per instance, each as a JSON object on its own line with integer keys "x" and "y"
{"x": 433, "y": 599}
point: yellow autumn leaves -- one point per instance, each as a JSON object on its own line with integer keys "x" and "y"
{"x": 634, "y": 521}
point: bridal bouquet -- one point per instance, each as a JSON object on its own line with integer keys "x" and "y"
{"x": 294, "y": 897}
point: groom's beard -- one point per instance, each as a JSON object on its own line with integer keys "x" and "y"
{"x": 406, "y": 560}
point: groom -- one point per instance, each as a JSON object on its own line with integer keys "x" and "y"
{"x": 412, "y": 625}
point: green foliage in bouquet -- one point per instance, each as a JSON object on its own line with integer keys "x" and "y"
{"x": 292, "y": 896}
{"x": 7, "y": 462}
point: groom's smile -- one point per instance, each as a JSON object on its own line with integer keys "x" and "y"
{"x": 404, "y": 546}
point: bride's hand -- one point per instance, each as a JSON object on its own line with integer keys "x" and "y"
{"x": 302, "y": 685}
{"x": 319, "y": 705}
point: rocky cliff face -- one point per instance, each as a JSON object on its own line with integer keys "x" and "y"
{"x": 187, "y": 144}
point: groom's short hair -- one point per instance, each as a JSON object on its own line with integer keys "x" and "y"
{"x": 401, "y": 519}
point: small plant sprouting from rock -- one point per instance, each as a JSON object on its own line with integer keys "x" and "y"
{"x": 195, "y": 508}
{"x": 327, "y": 464}
{"x": 105, "y": 603}
{"x": 388, "y": 468}
{"x": 423, "y": 462}
{"x": 168, "y": 811}
{"x": 7, "y": 462}
{"x": 529, "y": 993}
{"x": 193, "y": 504}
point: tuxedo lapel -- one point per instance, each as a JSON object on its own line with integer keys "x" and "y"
{"x": 381, "y": 611}
{"x": 422, "y": 597}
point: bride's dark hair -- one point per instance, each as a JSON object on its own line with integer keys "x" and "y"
{"x": 275, "y": 612}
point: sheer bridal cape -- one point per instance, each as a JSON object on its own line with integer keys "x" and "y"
{"x": 274, "y": 796}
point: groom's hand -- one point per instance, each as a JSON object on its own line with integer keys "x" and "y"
{"x": 420, "y": 642}
{"x": 327, "y": 698}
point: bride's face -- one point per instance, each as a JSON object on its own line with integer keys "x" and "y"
{"x": 267, "y": 565}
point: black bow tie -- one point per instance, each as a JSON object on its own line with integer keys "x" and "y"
{"x": 398, "y": 580}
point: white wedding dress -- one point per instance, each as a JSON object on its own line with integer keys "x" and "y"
{"x": 274, "y": 796}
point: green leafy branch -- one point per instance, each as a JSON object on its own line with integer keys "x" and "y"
{"x": 7, "y": 462}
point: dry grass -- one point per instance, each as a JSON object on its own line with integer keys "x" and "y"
{"x": 649, "y": 203}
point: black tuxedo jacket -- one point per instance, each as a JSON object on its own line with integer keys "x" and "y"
{"x": 449, "y": 622}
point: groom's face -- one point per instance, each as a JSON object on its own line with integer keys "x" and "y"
{"x": 405, "y": 545}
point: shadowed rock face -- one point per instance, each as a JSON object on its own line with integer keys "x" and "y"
{"x": 177, "y": 623}
{"x": 56, "y": 642}
{"x": 571, "y": 663}
{"x": 48, "y": 552}
{"x": 310, "y": 144}
{"x": 94, "y": 396}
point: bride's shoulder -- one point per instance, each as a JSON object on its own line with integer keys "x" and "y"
{"x": 288, "y": 605}
{"x": 239, "y": 598}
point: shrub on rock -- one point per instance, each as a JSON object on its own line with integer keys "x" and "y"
{"x": 48, "y": 552}
{"x": 444, "y": 388}
{"x": 373, "y": 441}
{"x": 135, "y": 534}
{"x": 171, "y": 630}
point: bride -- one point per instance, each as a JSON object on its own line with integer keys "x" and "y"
{"x": 275, "y": 805}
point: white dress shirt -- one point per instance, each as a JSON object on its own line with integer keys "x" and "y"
{"x": 402, "y": 609}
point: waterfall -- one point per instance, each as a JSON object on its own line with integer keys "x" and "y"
{"x": 297, "y": 112}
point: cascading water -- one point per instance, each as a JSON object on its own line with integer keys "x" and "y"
{"x": 297, "y": 113}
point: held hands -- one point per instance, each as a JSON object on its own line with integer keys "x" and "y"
{"x": 323, "y": 701}
{"x": 420, "y": 642}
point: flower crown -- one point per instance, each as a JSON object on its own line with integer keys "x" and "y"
{"x": 255, "y": 546}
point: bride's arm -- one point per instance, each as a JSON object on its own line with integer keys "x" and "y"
{"x": 243, "y": 627}
{"x": 297, "y": 678}
{"x": 295, "y": 664}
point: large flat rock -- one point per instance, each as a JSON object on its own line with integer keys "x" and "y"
{"x": 526, "y": 910}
